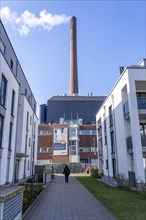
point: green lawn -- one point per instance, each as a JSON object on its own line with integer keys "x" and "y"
{"x": 123, "y": 204}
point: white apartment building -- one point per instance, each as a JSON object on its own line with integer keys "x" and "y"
{"x": 121, "y": 126}
{"x": 18, "y": 120}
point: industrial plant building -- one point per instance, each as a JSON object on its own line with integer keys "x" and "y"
{"x": 18, "y": 120}
{"x": 74, "y": 115}
{"x": 67, "y": 127}
{"x": 121, "y": 126}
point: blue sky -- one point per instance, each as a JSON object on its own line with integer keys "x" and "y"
{"x": 109, "y": 34}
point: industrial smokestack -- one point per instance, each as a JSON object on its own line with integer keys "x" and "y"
{"x": 73, "y": 58}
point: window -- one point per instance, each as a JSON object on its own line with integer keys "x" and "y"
{"x": 3, "y": 91}
{"x": 1, "y": 129}
{"x": 28, "y": 165}
{"x": 72, "y": 150}
{"x": 27, "y": 121}
{"x": 12, "y": 103}
{"x": 72, "y": 142}
{"x": 11, "y": 64}
{"x": 141, "y": 100}
{"x": 110, "y": 116}
{"x": 143, "y": 129}
{"x": 26, "y": 92}
{"x": 86, "y": 149}
{"x": 33, "y": 149}
{"x": 87, "y": 132}
{"x": 112, "y": 142}
{"x": 104, "y": 125}
{"x": 105, "y": 140}
{"x": 10, "y": 135}
{"x": 26, "y": 144}
{"x": 72, "y": 132}
{"x": 45, "y": 132}
{"x": 2, "y": 47}
{"x": 34, "y": 108}
{"x": 44, "y": 149}
{"x": 126, "y": 110}
{"x": 106, "y": 164}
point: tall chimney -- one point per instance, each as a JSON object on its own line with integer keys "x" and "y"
{"x": 73, "y": 58}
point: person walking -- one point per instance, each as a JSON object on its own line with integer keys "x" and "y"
{"x": 66, "y": 172}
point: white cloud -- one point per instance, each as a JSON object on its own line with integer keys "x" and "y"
{"x": 27, "y": 20}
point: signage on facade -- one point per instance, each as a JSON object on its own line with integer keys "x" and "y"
{"x": 60, "y": 141}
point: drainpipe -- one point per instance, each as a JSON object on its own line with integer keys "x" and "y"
{"x": 106, "y": 144}
{"x": 18, "y": 105}
{"x": 115, "y": 138}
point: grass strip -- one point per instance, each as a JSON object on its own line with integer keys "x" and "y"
{"x": 123, "y": 204}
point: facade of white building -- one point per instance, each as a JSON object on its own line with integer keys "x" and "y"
{"x": 121, "y": 127}
{"x": 18, "y": 120}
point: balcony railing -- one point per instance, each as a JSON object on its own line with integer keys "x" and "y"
{"x": 143, "y": 140}
{"x": 141, "y": 103}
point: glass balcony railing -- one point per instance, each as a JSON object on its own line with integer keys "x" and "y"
{"x": 143, "y": 140}
{"x": 141, "y": 103}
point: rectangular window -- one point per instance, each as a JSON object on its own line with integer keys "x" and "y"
{"x": 72, "y": 132}
{"x": 33, "y": 149}
{"x": 24, "y": 168}
{"x": 26, "y": 92}
{"x": 44, "y": 149}
{"x": 3, "y": 90}
{"x": 28, "y": 165}
{"x": 104, "y": 125}
{"x": 27, "y": 121}
{"x": 31, "y": 120}
{"x": 105, "y": 140}
{"x": 112, "y": 142}
{"x": 87, "y": 132}
{"x": 106, "y": 164}
{"x": 34, "y": 108}
{"x": 1, "y": 129}
{"x": 73, "y": 142}
{"x": 10, "y": 135}
{"x": 12, "y": 103}
{"x": 2, "y": 47}
{"x": 29, "y": 141}
{"x": 26, "y": 144}
{"x": 45, "y": 132}
{"x": 11, "y": 64}
{"x": 110, "y": 116}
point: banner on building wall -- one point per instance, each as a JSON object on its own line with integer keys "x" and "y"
{"x": 60, "y": 141}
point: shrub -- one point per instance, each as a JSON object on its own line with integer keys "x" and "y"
{"x": 39, "y": 178}
{"x": 30, "y": 194}
{"x": 94, "y": 172}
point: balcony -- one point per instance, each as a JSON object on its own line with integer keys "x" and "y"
{"x": 143, "y": 142}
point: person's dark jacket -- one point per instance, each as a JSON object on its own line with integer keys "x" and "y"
{"x": 66, "y": 171}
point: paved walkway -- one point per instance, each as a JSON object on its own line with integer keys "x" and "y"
{"x": 67, "y": 201}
